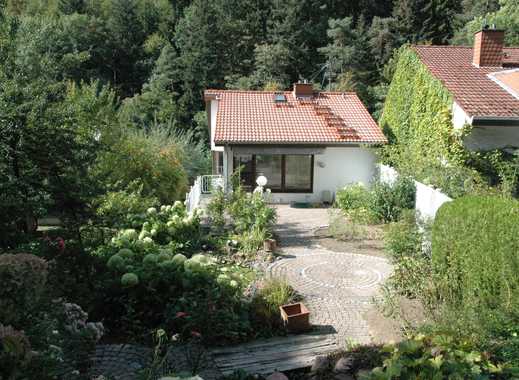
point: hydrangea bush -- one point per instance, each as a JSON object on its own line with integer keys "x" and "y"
{"x": 157, "y": 270}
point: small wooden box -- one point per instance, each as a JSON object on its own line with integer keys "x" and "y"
{"x": 296, "y": 317}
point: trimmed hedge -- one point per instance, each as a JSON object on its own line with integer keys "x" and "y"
{"x": 475, "y": 253}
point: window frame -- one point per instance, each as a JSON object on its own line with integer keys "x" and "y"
{"x": 283, "y": 188}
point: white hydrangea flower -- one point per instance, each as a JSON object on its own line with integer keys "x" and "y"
{"x": 234, "y": 283}
{"x": 151, "y": 211}
{"x": 147, "y": 240}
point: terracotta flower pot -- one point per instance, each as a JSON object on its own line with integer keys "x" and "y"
{"x": 269, "y": 245}
{"x": 296, "y": 317}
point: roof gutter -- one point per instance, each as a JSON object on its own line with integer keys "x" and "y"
{"x": 491, "y": 121}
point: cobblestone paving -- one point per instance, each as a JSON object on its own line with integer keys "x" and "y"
{"x": 338, "y": 287}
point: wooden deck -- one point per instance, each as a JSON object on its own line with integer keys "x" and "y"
{"x": 276, "y": 354}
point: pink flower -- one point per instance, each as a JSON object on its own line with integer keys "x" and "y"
{"x": 181, "y": 314}
{"x": 195, "y": 334}
{"x": 61, "y": 244}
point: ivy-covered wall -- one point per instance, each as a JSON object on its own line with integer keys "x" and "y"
{"x": 418, "y": 122}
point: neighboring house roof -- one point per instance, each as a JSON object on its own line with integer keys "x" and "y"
{"x": 254, "y": 117}
{"x": 473, "y": 89}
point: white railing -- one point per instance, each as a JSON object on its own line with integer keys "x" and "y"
{"x": 211, "y": 182}
{"x": 203, "y": 186}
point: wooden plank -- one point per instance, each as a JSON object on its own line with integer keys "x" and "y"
{"x": 275, "y": 359}
{"x": 278, "y": 350}
{"x": 300, "y": 339}
{"x": 274, "y": 356}
{"x": 268, "y": 355}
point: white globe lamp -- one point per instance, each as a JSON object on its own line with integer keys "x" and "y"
{"x": 261, "y": 181}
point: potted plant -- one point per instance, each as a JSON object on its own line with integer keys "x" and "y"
{"x": 296, "y": 317}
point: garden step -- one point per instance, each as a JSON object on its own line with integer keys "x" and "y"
{"x": 277, "y": 354}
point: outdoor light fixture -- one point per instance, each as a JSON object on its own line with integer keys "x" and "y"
{"x": 261, "y": 181}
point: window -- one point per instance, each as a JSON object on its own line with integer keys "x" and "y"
{"x": 298, "y": 172}
{"x": 284, "y": 173}
{"x": 270, "y": 166}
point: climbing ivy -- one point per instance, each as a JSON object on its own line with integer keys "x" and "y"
{"x": 424, "y": 144}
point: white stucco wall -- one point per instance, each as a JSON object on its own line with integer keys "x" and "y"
{"x": 428, "y": 201}
{"x": 212, "y": 125}
{"x": 459, "y": 117}
{"x": 341, "y": 166}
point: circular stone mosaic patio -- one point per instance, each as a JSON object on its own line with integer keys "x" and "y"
{"x": 338, "y": 288}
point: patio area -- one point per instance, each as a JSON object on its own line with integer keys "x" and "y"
{"x": 339, "y": 288}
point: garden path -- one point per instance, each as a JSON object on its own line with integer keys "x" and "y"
{"x": 338, "y": 287}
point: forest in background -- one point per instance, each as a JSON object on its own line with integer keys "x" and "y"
{"x": 104, "y": 96}
{"x": 159, "y": 56}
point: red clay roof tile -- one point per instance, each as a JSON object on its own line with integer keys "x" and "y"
{"x": 470, "y": 86}
{"x": 252, "y": 117}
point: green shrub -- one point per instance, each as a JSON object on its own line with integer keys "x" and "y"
{"x": 439, "y": 357}
{"x": 265, "y": 304}
{"x": 23, "y": 278}
{"x": 403, "y": 241}
{"x": 216, "y": 209}
{"x": 252, "y": 219}
{"x": 120, "y": 208}
{"x": 155, "y": 273}
{"x": 15, "y": 352}
{"x": 356, "y": 201}
{"x": 149, "y": 158}
{"x": 389, "y": 200}
{"x": 475, "y": 242}
{"x": 382, "y": 203}
{"x": 346, "y": 229}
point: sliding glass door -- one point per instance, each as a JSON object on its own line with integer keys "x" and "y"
{"x": 284, "y": 173}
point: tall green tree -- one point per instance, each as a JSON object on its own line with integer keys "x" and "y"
{"x": 157, "y": 101}
{"x": 506, "y": 17}
{"x": 425, "y": 20}
{"x": 49, "y": 129}
{"x": 350, "y": 66}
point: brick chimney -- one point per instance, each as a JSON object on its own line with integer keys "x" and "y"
{"x": 303, "y": 90}
{"x": 488, "y": 48}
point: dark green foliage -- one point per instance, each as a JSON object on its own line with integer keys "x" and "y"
{"x": 475, "y": 262}
{"x": 439, "y": 357}
{"x": 156, "y": 103}
{"x": 382, "y": 203}
{"x": 15, "y": 353}
{"x": 389, "y": 200}
{"x": 426, "y": 20}
{"x": 504, "y": 14}
{"x": 153, "y": 158}
{"x": 475, "y": 245}
{"x": 405, "y": 243}
{"x": 23, "y": 278}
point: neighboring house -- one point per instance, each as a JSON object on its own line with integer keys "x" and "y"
{"x": 306, "y": 143}
{"x": 484, "y": 83}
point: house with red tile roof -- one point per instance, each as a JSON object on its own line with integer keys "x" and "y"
{"x": 484, "y": 83}
{"x": 306, "y": 143}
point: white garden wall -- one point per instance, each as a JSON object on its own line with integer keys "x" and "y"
{"x": 428, "y": 199}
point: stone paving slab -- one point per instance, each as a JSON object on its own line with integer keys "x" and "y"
{"x": 338, "y": 287}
